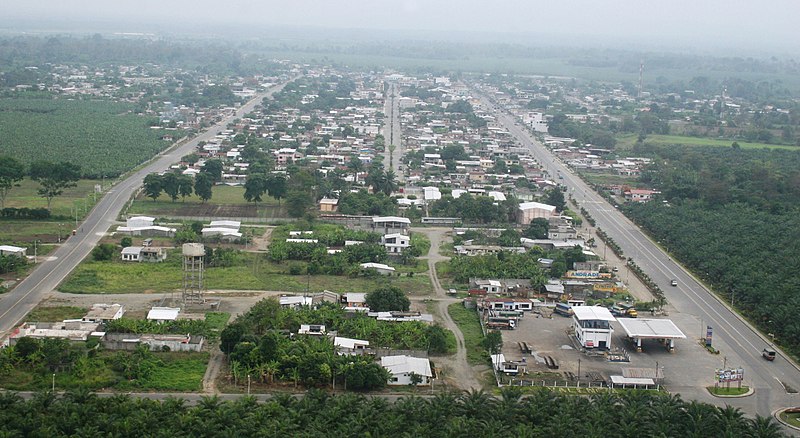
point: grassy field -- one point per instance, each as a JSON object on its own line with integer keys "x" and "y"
{"x": 254, "y": 273}
{"x": 55, "y": 313}
{"x": 470, "y": 326}
{"x": 181, "y": 372}
{"x": 227, "y": 201}
{"x": 628, "y": 140}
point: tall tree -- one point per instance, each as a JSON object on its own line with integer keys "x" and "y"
{"x": 185, "y": 186}
{"x": 214, "y": 168}
{"x": 277, "y": 187}
{"x": 54, "y": 178}
{"x": 11, "y": 173}
{"x": 387, "y": 299}
{"x": 171, "y": 185}
{"x": 153, "y": 185}
{"x": 355, "y": 165}
{"x": 298, "y": 202}
{"x": 203, "y": 184}
{"x": 255, "y": 187}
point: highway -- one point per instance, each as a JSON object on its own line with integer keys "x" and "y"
{"x": 46, "y": 277}
{"x": 693, "y": 305}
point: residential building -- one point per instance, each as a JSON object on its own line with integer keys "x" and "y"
{"x": 401, "y": 367}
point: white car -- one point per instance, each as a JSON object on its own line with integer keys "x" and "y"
{"x": 673, "y": 282}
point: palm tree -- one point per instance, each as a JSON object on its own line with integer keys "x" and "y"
{"x": 356, "y": 166}
{"x": 389, "y": 183}
{"x": 764, "y": 427}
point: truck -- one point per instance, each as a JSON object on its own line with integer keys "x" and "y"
{"x": 501, "y": 323}
{"x": 624, "y": 310}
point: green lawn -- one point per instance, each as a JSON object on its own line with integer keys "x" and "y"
{"x": 227, "y": 201}
{"x": 254, "y": 273}
{"x": 55, "y": 313}
{"x": 627, "y": 140}
{"x": 80, "y": 196}
{"x": 793, "y": 419}
{"x": 470, "y": 326}
{"x": 180, "y": 372}
{"x": 733, "y": 390}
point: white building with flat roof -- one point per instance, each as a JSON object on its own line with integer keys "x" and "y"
{"x": 592, "y": 326}
{"x": 401, "y": 368}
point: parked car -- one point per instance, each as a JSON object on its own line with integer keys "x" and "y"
{"x": 768, "y": 354}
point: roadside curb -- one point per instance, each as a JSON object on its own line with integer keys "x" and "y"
{"x": 777, "y": 414}
{"x": 750, "y": 392}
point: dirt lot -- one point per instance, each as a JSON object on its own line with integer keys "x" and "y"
{"x": 137, "y": 305}
{"x": 689, "y": 365}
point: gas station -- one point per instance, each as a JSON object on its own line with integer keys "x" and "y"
{"x": 662, "y": 330}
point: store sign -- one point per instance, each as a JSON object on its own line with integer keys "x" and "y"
{"x": 708, "y": 336}
{"x": 729, "y": 375}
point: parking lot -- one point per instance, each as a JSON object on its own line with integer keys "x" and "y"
{"x": 689, "y": 365}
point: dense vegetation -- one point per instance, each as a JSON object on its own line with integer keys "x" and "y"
{"x": 258, "y": 344}
{"x": 320, "y": 415}
{"x": 511, "y": 265}
{"x": 732, "y": 218}
{"x": 102, "y": 137}
{"x": 476, "y": 209}
{"x": 33, "y": 364}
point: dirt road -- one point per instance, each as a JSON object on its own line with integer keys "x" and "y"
{"x": 459, "y": 372}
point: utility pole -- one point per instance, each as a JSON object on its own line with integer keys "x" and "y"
{"x": 54, "y": 383}
{"x": 248, "y": 384}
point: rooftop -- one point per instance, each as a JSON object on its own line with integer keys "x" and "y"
{"x": 651, "y": 328}
{"x": 595, "y": 313}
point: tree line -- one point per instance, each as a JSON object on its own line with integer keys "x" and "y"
{"x": 319, "y": 414}
{"x": 732, "y": 218}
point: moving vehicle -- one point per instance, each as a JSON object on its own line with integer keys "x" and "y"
{"x": 673, "y": 282}
{"x": 768, "y": 354}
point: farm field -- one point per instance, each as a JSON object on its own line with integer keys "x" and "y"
{"x": 627, "y": 141}
{"x": 254, "y": 273}
{"x": 103, "y": 137}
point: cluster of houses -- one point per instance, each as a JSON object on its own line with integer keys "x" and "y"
{"x": 401, "y": 367}
{"x": 91, "y": 326}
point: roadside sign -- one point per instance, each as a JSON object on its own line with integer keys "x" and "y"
{"x": 708, "y": 336}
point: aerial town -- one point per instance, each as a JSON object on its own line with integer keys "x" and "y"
{"x": 245, "y": 231}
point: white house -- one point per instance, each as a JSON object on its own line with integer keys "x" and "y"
{"x": 145, "y": 226}
{"x": 355, "y": 300}
{"x": 401, "y": 367}
{"x": 131, "y": 254}
{"x": 104, "y": 313}
{"x": 380, "y": 267}
{"x": 312, "y": 329}
{"x": 593, "y": 326}
{"x": 163, "y": 314}
{"x": 9, "y": 250}
{"x": 529, "y": 211}
{"x": 295, "y": 301}
{"x": 391, "y": 224}
{"x": 395, "y": 243}
{"x": 349, "y": 346}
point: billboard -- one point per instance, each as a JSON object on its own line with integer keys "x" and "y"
{"x": 729, "y": 375}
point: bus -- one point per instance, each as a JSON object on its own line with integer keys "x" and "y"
{"x": 563, "y": 309}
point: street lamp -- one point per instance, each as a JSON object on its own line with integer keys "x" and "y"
{"x": 248, "y": 384}
{"x": 54, "y": 382}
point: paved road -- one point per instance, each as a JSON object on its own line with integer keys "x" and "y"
{"x": 743, "y": 344}
{"x": 49, "y": 274}
{"x": 392, "y": 132}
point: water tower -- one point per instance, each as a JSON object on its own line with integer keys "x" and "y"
{"x": 193, "y": 254}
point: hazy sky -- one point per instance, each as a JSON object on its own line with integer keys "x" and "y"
{"x": 770, "y": 24}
